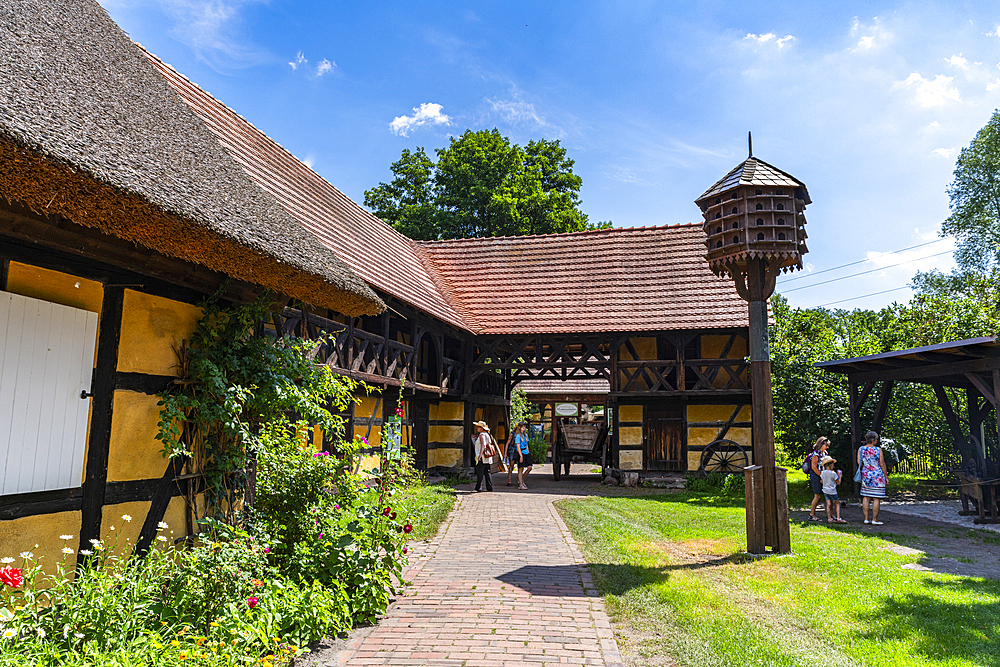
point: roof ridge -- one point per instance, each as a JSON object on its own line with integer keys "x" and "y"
{"x": 584, "y": 232}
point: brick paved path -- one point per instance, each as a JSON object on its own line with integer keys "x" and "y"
{"x": 502, "y": 584}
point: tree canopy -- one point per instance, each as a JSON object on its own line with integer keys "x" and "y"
{"x": 482, "y": 185}
{"x": 975, "y": 201}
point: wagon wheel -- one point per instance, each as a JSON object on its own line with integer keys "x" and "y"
{"x": 724, "y": 456}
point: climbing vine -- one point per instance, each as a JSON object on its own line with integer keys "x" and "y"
{"x": 239, "y": 389}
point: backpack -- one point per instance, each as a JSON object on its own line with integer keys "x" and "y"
{"x": 487, "y": 450}
{"x": 806, "y": 465}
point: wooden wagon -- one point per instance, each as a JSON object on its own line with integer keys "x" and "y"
{"x": 583, "y": 443}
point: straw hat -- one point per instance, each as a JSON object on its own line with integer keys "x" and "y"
{"x": 481, "y": 425}
{"x": 827, "y": 459}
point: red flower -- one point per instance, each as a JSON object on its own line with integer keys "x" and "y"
{"x": 252, "y": 601}
{"x": 408, "y": 528}
{"x": 11, "y": 576}
{"x": 393, "y": 516}
{"x": 387, "y": 511}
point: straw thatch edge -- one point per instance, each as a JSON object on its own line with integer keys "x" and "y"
{"x": 50, "y": 188}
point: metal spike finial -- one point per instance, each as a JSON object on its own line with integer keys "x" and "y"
{"x": 750, "y": 145}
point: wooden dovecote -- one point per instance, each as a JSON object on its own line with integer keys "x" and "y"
{"x": 755, "y": 212}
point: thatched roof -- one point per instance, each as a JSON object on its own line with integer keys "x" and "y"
{"x": 90, "y": 131}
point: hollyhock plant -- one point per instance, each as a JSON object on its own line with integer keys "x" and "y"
{"x": 252, "y": 601}
{"x": 408, "y": 528}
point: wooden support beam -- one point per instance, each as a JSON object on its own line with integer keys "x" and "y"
{"x": 882, "y": 406}
{"x": 929, "y": 372}
{"x": 158, "y": 504}
{"x": 855, "y": 407}
{"x": 949, "y": 414}
{"x": 102, "y": 389}
{"x": 996, "y": 392}
{"x": 983, "y": 388}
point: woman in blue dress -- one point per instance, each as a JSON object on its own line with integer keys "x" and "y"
{"x": 874, "y": 476}
{"x": 522, "y": 453}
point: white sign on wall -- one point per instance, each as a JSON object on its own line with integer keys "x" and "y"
{"x": 567, "y": 409}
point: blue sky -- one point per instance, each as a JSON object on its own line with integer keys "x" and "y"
{"x": 867, "y": 103}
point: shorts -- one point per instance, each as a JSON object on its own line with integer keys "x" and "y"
{"x": 816, "y": 483}
{"x": 526, "y": 462}
{"x": 832, "y": 497}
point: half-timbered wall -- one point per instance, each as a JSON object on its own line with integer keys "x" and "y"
{"x": 707, "y": 423}
{"x": 445, "y": 434}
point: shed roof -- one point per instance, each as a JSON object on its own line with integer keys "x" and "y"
{"x": 624, "y": 279}
{"x": 587, "y": 386}
{"x": 90, "y": 131}
{"x": 754, "y": 171}
{"x": 963, "y": 363}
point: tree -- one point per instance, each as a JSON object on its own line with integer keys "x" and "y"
{"x": 975, "y": 200}
{"x": 482, "y": 185}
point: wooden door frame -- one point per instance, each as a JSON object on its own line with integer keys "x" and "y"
{"x": 648, "y": 408}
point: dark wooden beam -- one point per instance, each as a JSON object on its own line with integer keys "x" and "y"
{"x": 983, "y": 388}
{"x": 158, "y": 504}
{"x": 4, "y": 269}
{"x": 882, "y": 406}
{"x": 855, "y": 407}
{"x": 143, "y": 383}
{"x": 949, "y": 414}
{"x": 103, "y": 390}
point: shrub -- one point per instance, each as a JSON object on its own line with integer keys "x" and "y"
{"x": 717, "y": 484}
{"x": 539, "y": 449}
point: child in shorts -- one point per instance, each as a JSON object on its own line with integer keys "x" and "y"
{"x": 831, "y": 478}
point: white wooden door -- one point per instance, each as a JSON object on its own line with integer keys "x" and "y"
{"x": 46, "y": 361}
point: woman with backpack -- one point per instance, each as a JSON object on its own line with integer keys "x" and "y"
{"x": 811, "y": 466}
{"x": 485, "y": 450}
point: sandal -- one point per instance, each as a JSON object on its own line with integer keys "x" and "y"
{"x": 877, "y": 523}
{"x": 523, "y": 487}
{"x": 840, "y": 521}
{"x": 813, "y": 518}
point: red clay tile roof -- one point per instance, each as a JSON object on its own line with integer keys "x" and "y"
{"x": 603, "y": 281}
{"x": 380, "y": 255}
{"x": 634, "y": 279}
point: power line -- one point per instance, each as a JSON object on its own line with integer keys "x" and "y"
{"x": 861, "y": 261}
{"x": 861, "y": 273}
{"x": 863, "y": 296}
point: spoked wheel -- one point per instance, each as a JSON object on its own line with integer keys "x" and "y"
{"x": 724, "y": 456}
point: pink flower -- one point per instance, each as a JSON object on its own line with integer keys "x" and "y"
{"x": 267, "y": 550}
{"x": 405, "y": 550}
{"x": 252, "y": 601}
{"x": 11, "y": 576}
{"x": 336, "y": 507}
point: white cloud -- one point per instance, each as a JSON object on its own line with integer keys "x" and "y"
{"x": 931, "y": 92}
{"x": 934, "y": 125}
{"x": 211, "y": 28}
{"x": 426, "y": 113}
{"x": 992, "y": 85}
{"x": 516, "y": 111}
{"x": 958, "y": 61}
{"x": 324, "y": 67}
{"x": 948, "y": 153}
{"x": 769, "y": 37}
{"x": 309, "y": 160}
{"x": 995, "y": 33}
{"x": 299, "y": 60}
{"x": 865, "y": 43}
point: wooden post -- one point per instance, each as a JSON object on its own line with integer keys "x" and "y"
{"x": 855, "y": 429}
{"x": 784, "y": 545}
{"x": 99, "y": 441}
{"x": 754, "y": 483}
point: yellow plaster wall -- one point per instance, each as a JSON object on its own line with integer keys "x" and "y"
{"x": 153, "y": 328}
{"x": 365, "y": 409}
{"x": 40, "y": 535}
{"x": 447, "y": 411}
{"x": 125, "y": 533}
{"x": 630, "y": 459}
{"x": 135, "y": 451}
{"x": 55, "y": 286}
{"x": 646, "y": 347}
{"x": 445, "y": 457}
{"x": 740, "y": 435}
{"x": 712, "y": 346}
{"x": 701, "y": 436}
{"x": 630, "y": 413}
{"x": 629, "y": 436}
{"x": 438, "y": 433}
{"x": 716, "y": 413}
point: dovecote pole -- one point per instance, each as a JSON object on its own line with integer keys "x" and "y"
{"x": 755, "y": 229}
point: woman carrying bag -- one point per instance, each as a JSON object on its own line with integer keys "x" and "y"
{"x": 485, "y": 451}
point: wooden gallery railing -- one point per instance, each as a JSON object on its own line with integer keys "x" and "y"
{"x": 658, "y": 376}
{"x": 363, "y": 355}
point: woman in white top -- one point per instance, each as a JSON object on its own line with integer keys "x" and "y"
{"x": 485, "y": 450}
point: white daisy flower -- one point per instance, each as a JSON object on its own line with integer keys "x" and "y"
{"x": 41, "y": 632}
{"x": 65, "y": 537}
{"x": 96, "y": 543}
{"x": 27, "y": 554}
{"x": 86, "y": 552}
{"x": 67, "y": 550}
{"x": 9, "y": 632}
{"x": 78, "y": 635}
{"x": 112, "y": 527}
{"x": 161, "y": 538}
{"x": 6, "y": 560}
{"x": 127, "y": 518}
{"x": 162, "y": 525}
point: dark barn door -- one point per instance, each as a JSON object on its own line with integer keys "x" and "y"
{"x": 421, "y": 415}
{"x": 665, "y": 439}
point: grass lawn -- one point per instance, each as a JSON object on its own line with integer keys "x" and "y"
{"x": 427, "y": 506}
{"x": 681, "y": 591}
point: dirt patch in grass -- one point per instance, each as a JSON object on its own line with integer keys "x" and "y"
{"x": 944, "y": 547}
